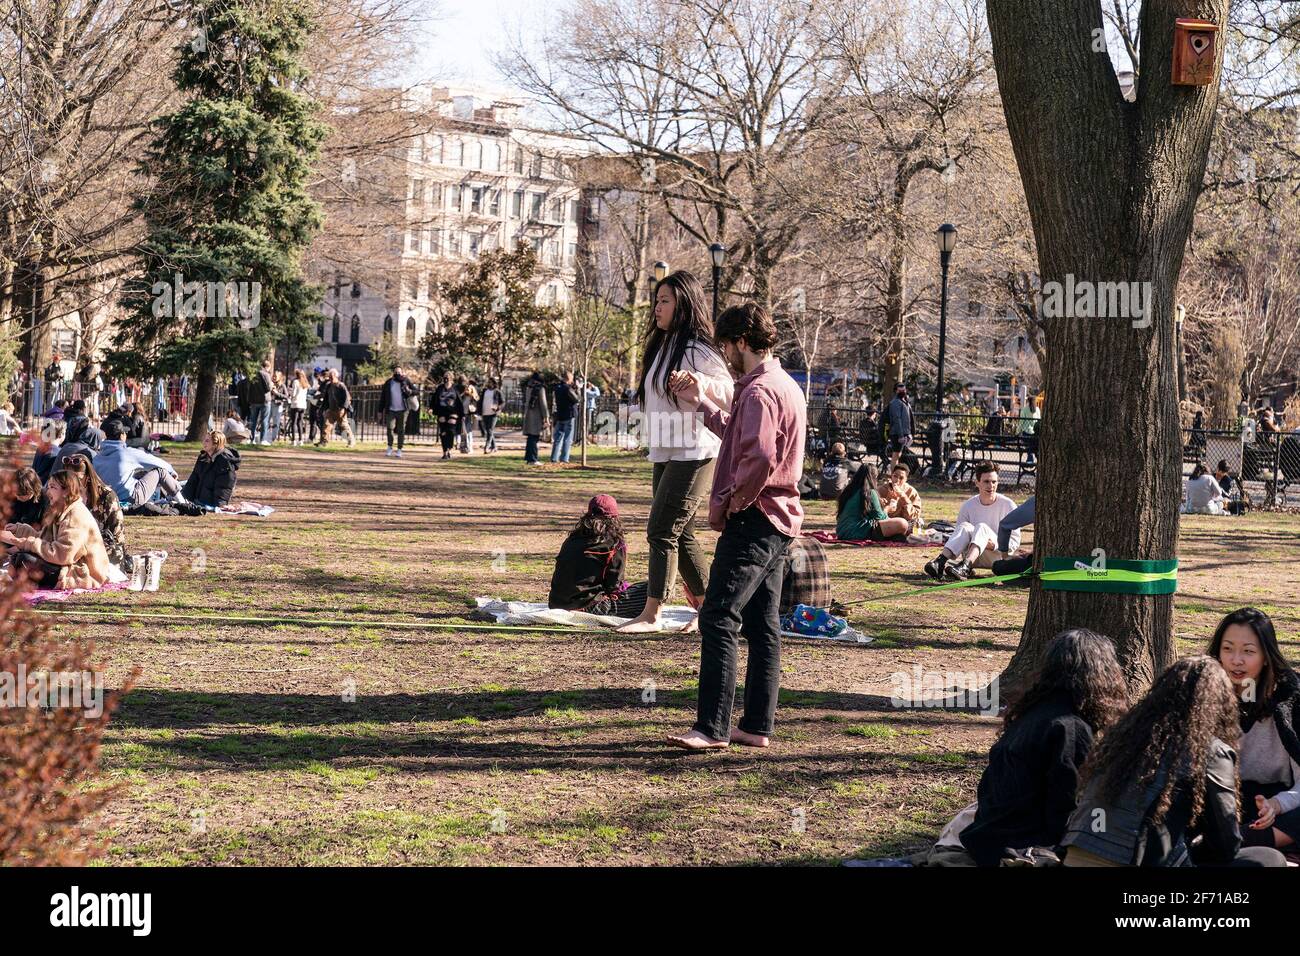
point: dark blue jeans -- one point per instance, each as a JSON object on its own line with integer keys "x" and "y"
{"x": 743, "y": 595}
{"x": 530, "y": 450}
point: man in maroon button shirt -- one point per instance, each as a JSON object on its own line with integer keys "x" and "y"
{"x": 755, "y": 504}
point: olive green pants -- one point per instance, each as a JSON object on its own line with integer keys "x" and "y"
{"x": 679, "y": 489}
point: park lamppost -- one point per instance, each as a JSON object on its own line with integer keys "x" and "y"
{"x": 1180, "y": 313}
{"x": 661, "y": 271}
{"x": 718, "y": 253}
{"x": 946, "y": 240}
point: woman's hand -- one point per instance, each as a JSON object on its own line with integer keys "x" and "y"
{"x": 686, "y": 386}
{"x": 1267, "y": 813}
{"x": 7, "y": 537}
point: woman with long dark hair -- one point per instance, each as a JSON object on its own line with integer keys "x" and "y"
{"x": 1164, "y": 773}
{"x": 859, "y": 515}
{"x": 1027, "y": 792}
{"x": 590, "y": 566}
{"x": 1268, "y": 690}
{"x": 679, "y": 338}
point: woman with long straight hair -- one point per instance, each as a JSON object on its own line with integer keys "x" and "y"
{"x": 1166, "y": 771}
{"x": 682, "y": 450}
{"x": 66, "y": 551}
{"x": 1268, "y": 691}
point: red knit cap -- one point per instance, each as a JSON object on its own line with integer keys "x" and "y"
{"x": 603, "y": 505}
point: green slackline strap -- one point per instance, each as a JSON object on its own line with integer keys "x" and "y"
{"x": 1116, "y": 577}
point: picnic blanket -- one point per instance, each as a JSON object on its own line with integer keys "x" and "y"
{"x": 246, "y": 508}
{"x": 913, "y": 541}
{"x": 117, "y": 581}
{"x": 673, "y": 618}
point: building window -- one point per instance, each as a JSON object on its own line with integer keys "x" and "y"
{"x": 356, "y": 290}
{"x": 428, "y": 326}
{"x": 424, "y": 287}
{"x": 417, "y": 189}
{"x": 536, "y": 171}
{"x": 336, "y": 329}
{"x": 434, "y": 243}
{"x": 458, "y": 153}
{"x": 552, "y": 294}
{"x": 410, "y": 330}
{"x": 517, "y": 205}
{"x": 356, "y": 329}
{"x": 536, "y": 243}
{"x": 492, "y": 156}
{"x": 552, "y": 253}
{"x": 572, "y": 254}
{"x": 320, "y": 328}
{"x": 495, "y": 209}
{"x": 557, "y": 210}
{"x": 435, "y": 195}
{"x": 573, "y": 210}
{"x": 519, "y": 161}
{"x": 535, "y": 211}
{"x": 453, "y": 242}
{"x": 475, "y": 241}
{"x": 413, "y": 240}
{"x": 453, "y": 196}
{"x": 338, "y": 284}
{"x": 388, "y": 325}
{"x": 476, "y": 199}
{"x": 433, "y": 149}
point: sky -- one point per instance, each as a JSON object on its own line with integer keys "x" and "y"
{"x": 458, "y": 46}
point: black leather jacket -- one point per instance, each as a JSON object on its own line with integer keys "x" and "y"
{"x": 1124, "y": 833}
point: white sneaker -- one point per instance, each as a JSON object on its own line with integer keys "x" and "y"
{"x": 397, "y": 453}
{"x": 389, "y": 453}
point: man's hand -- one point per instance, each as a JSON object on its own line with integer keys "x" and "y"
{"x": 7, "y": 537}
{"x": 686, "y": 386}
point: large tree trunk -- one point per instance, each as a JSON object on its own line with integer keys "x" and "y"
{"x": 891, "y": 370}
{"x": 1111, "y": 188}
{"x": 204, "y": 393}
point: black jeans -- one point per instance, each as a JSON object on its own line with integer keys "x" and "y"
{"x": 295, "y": 423}
{"x": 395, "y": 422}
{"x": 743, "y": 594}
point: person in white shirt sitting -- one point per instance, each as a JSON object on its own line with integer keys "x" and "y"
{"x": 974, "y": 543}
{"x": 1204, "y": 493}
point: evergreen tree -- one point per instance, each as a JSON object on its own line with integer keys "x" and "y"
{"x": 229, "y": 215}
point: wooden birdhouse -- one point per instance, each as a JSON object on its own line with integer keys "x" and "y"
{"x": 1194, "y": 53}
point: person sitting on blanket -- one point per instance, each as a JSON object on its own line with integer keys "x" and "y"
{"x": 899, "y": 499}
{"x": 589, "y": 568}
{"x": 28, "y": 503}
{"x": 103, "y": 504}
{"x": 234, "y": 428}
{"x": 974, "y": 543}
{"x": 859, "y": 516}
{"x": 212, "y": 482}
{"x": 134, "y": 475}
{"x": 1027, "y": 791}
{"x": 836, "y": 472}
{"x": 66, "y": 551}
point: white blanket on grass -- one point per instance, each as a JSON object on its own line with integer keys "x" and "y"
{"x": 672, "y": 618}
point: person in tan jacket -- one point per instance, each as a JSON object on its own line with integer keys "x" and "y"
{"x": 67, "y": 550}
{"x": 899, "y": 499}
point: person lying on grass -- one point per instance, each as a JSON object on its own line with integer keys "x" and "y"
{"x": 1245, "y": 643}
{"x": 589, "y": 568}
{"x": 859, "y": 515}
{"x": 1027, "y": 792}
{"x": 974, "y": 543}
{"x": 1165, "y": 772}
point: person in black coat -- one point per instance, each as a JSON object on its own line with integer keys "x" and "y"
{"x": 1027, "y": 792}
{"x": 80, "y": 430}
{"x": 589, "y": 568}
{"x": 212, "y": 482}
{"x": 1165, "y": 774}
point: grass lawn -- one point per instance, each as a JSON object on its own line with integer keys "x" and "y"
{"x": 240, "y": 745}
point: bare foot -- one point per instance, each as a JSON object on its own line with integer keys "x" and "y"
{"x": 746, "y": 739}
{"x": 640, "y": 625}
{"x": 691, "y": 627}
{"x": 694, "y": 740}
